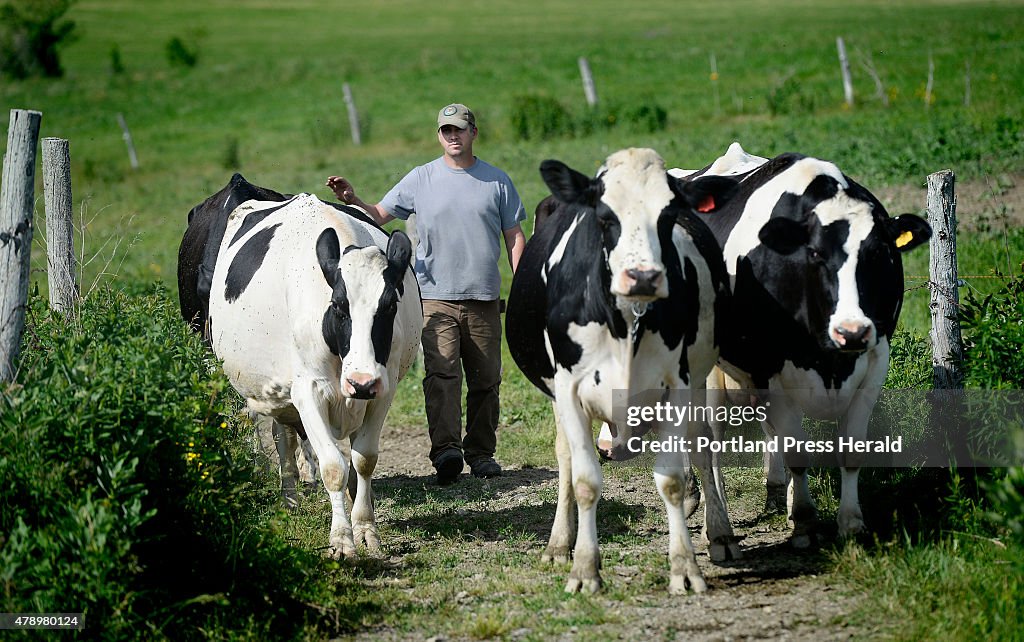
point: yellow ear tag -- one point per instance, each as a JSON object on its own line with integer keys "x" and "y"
{"x": 904, "y": 238}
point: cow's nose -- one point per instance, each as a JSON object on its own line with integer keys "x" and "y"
{"x": 852, "y": 337}
{"x": 363, "y": 387}
{"x": 644, "y": 282}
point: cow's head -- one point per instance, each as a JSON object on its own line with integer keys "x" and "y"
{"x": 636, "y": 203}
{"x": 837, "y": 261}
{"x": 359, "y": 325}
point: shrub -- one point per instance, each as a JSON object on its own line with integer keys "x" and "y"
{"x": 125, "y": 493}
{"x": 31, "y": 31}
{"x": 910, "y": 361}
{"x": 993, "y": 329}
{"x": 537, "y": 117}
{"x": 646, "y": 118}
{"x": 116, "y": 63}
{"x": 179, "y": 54}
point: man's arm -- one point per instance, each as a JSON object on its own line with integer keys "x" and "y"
{"x": 347, "y": 194}
{"x": 515, "y": 243}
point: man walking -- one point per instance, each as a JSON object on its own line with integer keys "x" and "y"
{"x": 462, "y": 205}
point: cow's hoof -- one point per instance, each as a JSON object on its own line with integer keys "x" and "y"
{"x": 681, "y": 584}
{"x": 852, "y": 525}
{"x": 583, "y": 585}
{"x": 724, "y": 551}
{"x": 368, "y": 537}
{"x": 555, "y": 555}
{"x": 775, "y": 500}
{"x": 290, "y": 501}
{"x": 342, "y": 545}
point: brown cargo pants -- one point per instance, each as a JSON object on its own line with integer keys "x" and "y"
{"x": 462, "y": 335}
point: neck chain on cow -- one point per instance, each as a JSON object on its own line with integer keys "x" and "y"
{"x": 639, "y": 310}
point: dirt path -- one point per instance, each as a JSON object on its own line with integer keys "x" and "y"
{"x": 774, "y": 593}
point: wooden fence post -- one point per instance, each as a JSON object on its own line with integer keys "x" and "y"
{"x": 931, "y": 80}
{"x": 353, "y": 115}
{"x": 947, "y": 345}
{"x": 844, "y": 65}
{"x": 588, "y": 81}
{"x": 60, "y": 245}
{"x": 714, "y": 83}
{"x": 17, "y": 198}
{"x": 967, "y": 83}
{"x": 127, "y": 135}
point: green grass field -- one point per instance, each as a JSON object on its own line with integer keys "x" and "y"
{"x": 265, "y": 99}
{"x": 265, "y": 96}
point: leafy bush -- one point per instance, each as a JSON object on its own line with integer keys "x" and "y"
{"x": 116, "y": 63}
{"x": 30, "y": 33}
{"x": 179, "y": 54}
{"x": 646, "y": 118}
{"x": 539, "y": 117}
{"x": 124, "y": 493}
{"x": 910, "y": 361}
{"x": 994, "y": 333}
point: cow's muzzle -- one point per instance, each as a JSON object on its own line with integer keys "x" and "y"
{"x": 360, "y": 386}
{"x": 643, "y": 283}
{"x": 853, "y": 337}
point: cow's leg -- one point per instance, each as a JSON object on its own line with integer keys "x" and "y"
{"x": 312, "y": 407}
{"x": 786, "y": 420}
{"x": 671, "y": 471}
{"x": 365, "y": 449}
{"x": 605, "y": 441}
{"x": 563, "y": 531}
{"x": 803, "y": 514}
{"x": 307, "y": 464}
{"x": 586, "y": 484}
{"x": 717, "y": 530}
{"x": 717, "y": 397}
{"x": 286, "y": 441}
{"x": 854, "y": 424}
{"x": 775, "y": 483}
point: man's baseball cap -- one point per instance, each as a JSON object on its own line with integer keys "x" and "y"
{"x": 456, "y": 114}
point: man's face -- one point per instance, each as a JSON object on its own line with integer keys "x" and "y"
{"x": 455, "y": 141}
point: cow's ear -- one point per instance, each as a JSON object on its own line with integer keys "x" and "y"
{"x": 908, "y": 231}
{"x": 328, "y": 252}
{"x": 565, "y": 183}
{"x": 783, "y": 235}
{"x": 706, "y": 194}
{"x": 399, "y": 252}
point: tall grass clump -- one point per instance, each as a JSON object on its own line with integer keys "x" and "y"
{"x": 963, "y": 575}
{"x": 129, "y": 492}
{"x": 31, "y": 35}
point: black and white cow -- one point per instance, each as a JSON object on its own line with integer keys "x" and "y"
{"x": 619, "y": 244}
{"x": 815, "y": 269}
{"x": 316, "y": 316}
{"x": 197, "y": 254}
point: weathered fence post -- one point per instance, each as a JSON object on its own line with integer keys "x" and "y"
{"x": 931, "y": 80}
{"x": 844, "y": 65}
{"x": 353, "y": 115}
{"x": 17, "y": 197}
{"x": 588, "y": 81}
{"x": 127, "y": 135}
{"x": 967, "y": 83}
{"x": 947, "y": 346}
{"x": 60, "y": 245}
{"x": 714, "y": 83}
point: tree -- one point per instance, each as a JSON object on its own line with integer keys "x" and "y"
{"x": 31, "y": 31}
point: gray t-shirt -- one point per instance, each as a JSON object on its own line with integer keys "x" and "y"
{"x": 460, "y": 214}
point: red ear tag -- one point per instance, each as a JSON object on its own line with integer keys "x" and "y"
{"x": 707, "y": 204}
